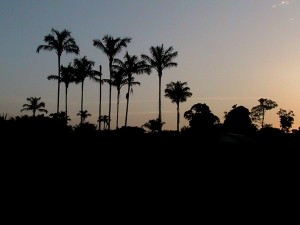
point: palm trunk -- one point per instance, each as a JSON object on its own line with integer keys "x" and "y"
{"x": 159, "y": 97}
{"x": 81, "y": 119}
{"x": 118, "y": 101}
{"x": 58, "y": 86}
{"x": 178, "y": 117}
{"x": 100, "y": 93}
{"x": 100, "y": 96}
{"x": 127, "y": 103}
{"x": 109, "y": 106}
{"x": 66, "y": 104}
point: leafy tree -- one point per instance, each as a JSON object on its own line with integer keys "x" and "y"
{"x": 111, "y": 46}
{"x": 59, "y": 42}
{"x": 131, "y": 65}
{"x": 154, "y": 125}
{"x": 201, "y": 118}
{"x": 67, "y": 76}
{"x": 258, "y": 112}
{"x": 177, "y": 92}
{"x": 286, "y": 119}
{"x": 238, "y": 120}
{"x": 160, "y": 59}
{"x": 83, "y": 69}
{"x": 34, "y": 105}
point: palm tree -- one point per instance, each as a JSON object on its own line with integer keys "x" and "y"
{"x": 111, "y": 46}
{"x": 67, "y": 76}
{"x": 83, "y": 115}
{"x": 59, "y": 42}
{"x": 105, "y": 119}
{"x": 159, "y": 59}
{"x": 177, "y": 92}
{"x": 34, "y": 105}
{"x": 118, "y": 80}
{"x": 154, "y": 125}
{"x": 131, "y": 65}
{"x": 83, "y": 69}
{"x": 98, "y": 78}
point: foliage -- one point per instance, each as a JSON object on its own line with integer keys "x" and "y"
{"x": 83, "y": 115}
{"x": 258, "y": 112}
{"x": 34, "y": 105}
{"x": 286, "y": 119}
{"x": 111, "y": 46}
{"x": 160, "y": 59}
{"x": 59, "y": 42}
{"x": 201, "y": 118}
{"x": 177, "y": 92}
{"x": 238, "y": 120}
{"x": 154, "y": 125}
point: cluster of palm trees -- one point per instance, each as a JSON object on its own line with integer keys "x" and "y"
{"x": 120, "y": 71}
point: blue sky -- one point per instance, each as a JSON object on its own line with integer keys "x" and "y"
{"x": 229, "y": 52}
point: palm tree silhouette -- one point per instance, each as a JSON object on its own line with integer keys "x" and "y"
{"x": 105, "y": 119}
{"x": 111, "y": 46}
{"x": 83, "y": 69}
{"x": 177, "y": 92}
{"x": 34, "y": 105}
{"x": 159, "y": 59}
{"x": 118, "y": 80}
{"x": 59, "y": 42}
{"x": 83, "y": 115}
{"x": 131, "y": 65}
{"x": 154, "y": 125}
{"x": 98, "y": 78}
{"x": 67, "y": 76}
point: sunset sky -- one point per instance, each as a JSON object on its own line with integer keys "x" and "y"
{"x": 229, "y": 52}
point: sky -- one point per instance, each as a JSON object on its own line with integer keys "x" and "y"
{"x": 229, "y": 52}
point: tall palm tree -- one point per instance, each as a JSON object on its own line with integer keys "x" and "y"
{"x": 111, "y": 46}
{"x": 83, "y": 69}
{"x": 67, "y": 76}
{"x": 118, "y": 80}
{"x": 34, "y": 105}
{"x": 98, "y": 78}
{"x": 177, "y": 92}
{"x": 59, "y": 42}
{"x": 131, "y": 65}
{"x": 160, "y": 59}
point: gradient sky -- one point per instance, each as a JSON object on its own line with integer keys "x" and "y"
{"x": 229, "y": 52}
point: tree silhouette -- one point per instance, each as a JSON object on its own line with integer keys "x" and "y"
{"x": 154, "y": 125}
{"x": 59, "y": 42}
{"x": 258, "y": 112}
{"x": 105, "y": 119}
{"x": 34, "y": 105}
{"x": 177, "y": 92}
{"x": 160, "y": 59}
{"x": 67, "y": 76}
{"x": 286, "y": 119}
{"x": 118, "y": 80}
{"x": 131, "y": 65}
{"x": 238, "y": 120}
{"x": 83, "y": 69}
{"x": 201, "y": 118}
{"x": 98, "y": 78}
{"x": 83, "y": 115}
{"x": 111, "y": 46}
